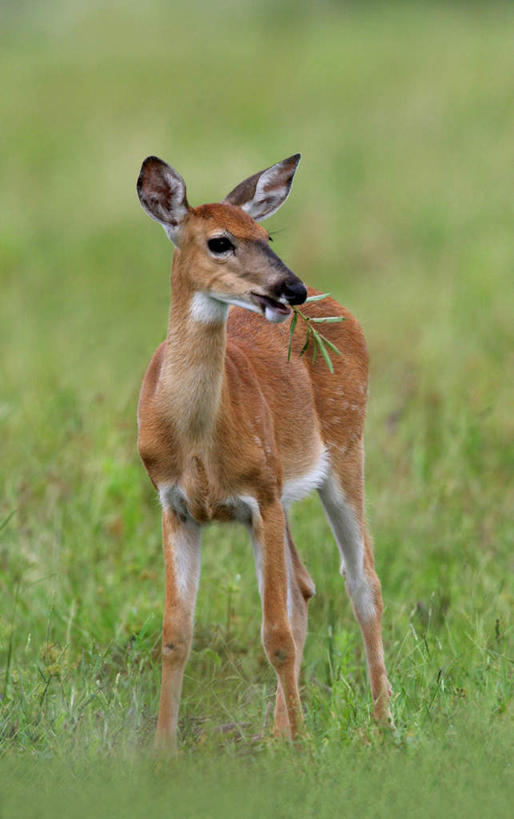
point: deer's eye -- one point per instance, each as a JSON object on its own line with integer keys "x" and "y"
{"x": 220, "y": 244}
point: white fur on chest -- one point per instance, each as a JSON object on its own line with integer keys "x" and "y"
{"x": 240, "y": 508}
{"x": 244, "y": 508}
{"x": 172, "y": 497}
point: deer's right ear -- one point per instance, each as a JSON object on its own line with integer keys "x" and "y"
{"x": 263, "y": 193}
{"x": 162, "y": 193}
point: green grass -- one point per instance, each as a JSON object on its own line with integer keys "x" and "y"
{"x": 402, "y": 208}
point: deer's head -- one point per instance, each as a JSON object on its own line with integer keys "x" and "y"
{"x": 222, "y": 246}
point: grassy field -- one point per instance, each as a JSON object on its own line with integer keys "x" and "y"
{"x": 402, "y": 208}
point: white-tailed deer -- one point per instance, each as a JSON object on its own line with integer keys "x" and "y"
{"x": 229, "y": 430}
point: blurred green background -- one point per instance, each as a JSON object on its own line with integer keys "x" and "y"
{"x": 402, "y": 208}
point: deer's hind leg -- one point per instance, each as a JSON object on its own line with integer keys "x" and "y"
{"x": 342, "y": 497}
{"x": 300, "y": 589}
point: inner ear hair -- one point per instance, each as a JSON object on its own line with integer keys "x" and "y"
{"x": 263, "y": 193}
{"x": 162, "y": 192}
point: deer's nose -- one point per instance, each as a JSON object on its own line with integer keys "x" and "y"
{"x": 295, "y": 292}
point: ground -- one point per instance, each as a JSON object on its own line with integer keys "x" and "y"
{"x": 402, "y": 209}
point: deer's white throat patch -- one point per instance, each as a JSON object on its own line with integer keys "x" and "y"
{"x": 212, "y": 308}
{"x": 207, "y": 310}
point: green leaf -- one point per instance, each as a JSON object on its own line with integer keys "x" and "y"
{"x": 307, "y": 338}
{"x": 291, "y": 331}
{"x": 319, "y": 341}
{"x": 329, "y": 319}
{"x": 317, "y": 298}
{"x": 329, "y": 344}
{"x": 325, "y": 355}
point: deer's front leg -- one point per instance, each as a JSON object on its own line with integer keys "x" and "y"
{"x": 277, "y": 636}
{"x": 181, "y": 541}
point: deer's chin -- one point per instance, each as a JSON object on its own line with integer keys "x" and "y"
{"x": 272, "y": 310}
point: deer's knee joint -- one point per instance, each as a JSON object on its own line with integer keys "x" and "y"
{"x": 174, "y": 652}
{"x": 175, "y": 647}
{"x": 366, "y": 597}
{"x": 279, "y": 646}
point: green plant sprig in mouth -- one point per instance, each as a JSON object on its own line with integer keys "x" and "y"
{"x": 319, "y": 341}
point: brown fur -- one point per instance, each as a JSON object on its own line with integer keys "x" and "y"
{"x": 223, "y": 414}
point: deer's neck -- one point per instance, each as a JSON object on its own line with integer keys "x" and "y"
{"x": 193, "y": 370}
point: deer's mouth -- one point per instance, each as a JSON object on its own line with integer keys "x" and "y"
{"x": 274, "y": 311}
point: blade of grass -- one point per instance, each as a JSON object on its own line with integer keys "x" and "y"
{"x": 328, "y": 319}
{"x": 307, "y": 339}
{"x": 319, "y": 297}
{"x": 10, "y": 646}
{"x": 291, "y": 331}
{"x": 7, "y": 519}
{"x": 330, "y": 345}
{"x": 325, "y": 354}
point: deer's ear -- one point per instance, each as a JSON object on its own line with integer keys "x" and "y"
{"x": 162, "y": 193}
{"x": 263, "y": 193}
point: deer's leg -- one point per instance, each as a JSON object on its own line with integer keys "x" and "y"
{"x": 181, "y": 540}
{"x": 344, "y": 512}
{"x": 271, "y": 557}
{"x": 300, "y": 589}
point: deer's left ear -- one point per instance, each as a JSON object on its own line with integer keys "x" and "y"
{"x": 162, "y": 194}
{"x": 263, "y": 193}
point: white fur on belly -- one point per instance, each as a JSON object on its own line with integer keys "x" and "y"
{"x": 297, "y": 488}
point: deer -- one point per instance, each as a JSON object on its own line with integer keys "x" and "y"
{"x": 229, "y": 429}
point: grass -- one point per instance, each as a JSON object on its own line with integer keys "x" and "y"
{"x": 402, "y": 209}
